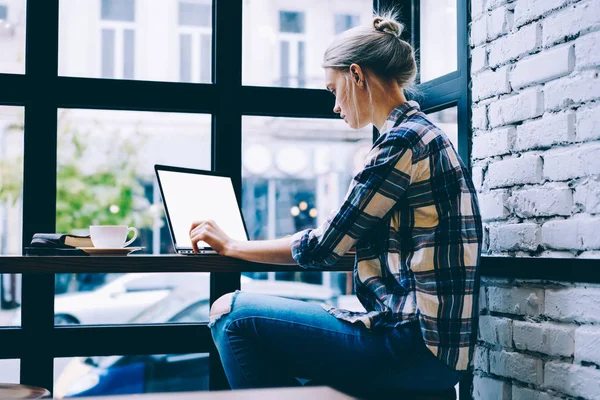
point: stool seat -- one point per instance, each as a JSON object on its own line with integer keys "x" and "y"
{"x": 12, "y": 391}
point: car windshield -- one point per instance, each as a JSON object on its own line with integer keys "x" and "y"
{"x": 164, "y": 309}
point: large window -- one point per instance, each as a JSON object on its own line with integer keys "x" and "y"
{"x": 196, "y": 83}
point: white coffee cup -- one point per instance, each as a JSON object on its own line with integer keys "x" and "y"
{"x": 111, "y": 236}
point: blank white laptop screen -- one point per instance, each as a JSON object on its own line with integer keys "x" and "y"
{"x": 193, "y": 197}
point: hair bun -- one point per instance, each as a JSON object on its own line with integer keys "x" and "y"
{"x": 387, "y": 25}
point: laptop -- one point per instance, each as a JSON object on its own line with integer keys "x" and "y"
{"x": 195, "y": 195}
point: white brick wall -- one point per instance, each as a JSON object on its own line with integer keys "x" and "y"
{"x": 573, "y": 380}
{"x": 579, "y": 17}
{"x": 525, "y": 105}
{"x": 548, "y": 338}
{"x": 518, "y": 366}
{"x": 515, "y": 171}
{"x": 588, "y": 344}
{"x": 543, "y": 67}
{"x": 516, "y": 300}
{"x": 580, "y": 304}
{"x": 544, "y": 132}
{"x": 547, "y": 200}
{"x": 536, "y": 167}
{"x": 570, "y": 90}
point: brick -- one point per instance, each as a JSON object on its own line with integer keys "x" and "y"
{"x": 586, "y": 51}
{"x": 564, "y": 92}
{"x": 572, "y": 234}
{"x": 579, "y": 304}
{"x": 478, "y": 59}
{"x": 521, "y": 393}
{"x": 516, "y": 300}
{"x": 490, "y": 389}
{"x": 572, "y": 379}
{"x": 499, "y": 22}
{"x": 528, "y": 10}
{"x": 575, "y": 161}
{"x": 482, "y": 360}
{"x": 477, "y": 8}
{"x": 548, "y": 337}
{"x": 591, "y": 254}
{"x": 479, "y": 31}
{"x": 477, "y": 176}
{"x": 517, "y": 366}
{"x": 482, "y": 299}
{"x": 522, "y": 42}
{"x": 587, "y": 344}
{"x": 511, "y": 237}
{"x": 495, "y": 330}
{"x": 515, "y": 171}
{"x": 541, "y": 201}
{"x": 480, "y": 117}
{"x": 547, "y": 131}
{"x": 588, "y": 123}
{"x": 525, "y": 105}
{"x": 493, "y": 205}
{"x": 587, "y": 196}
{"x": 494, "y": 143}
{"x": 543, "y": 67}
{"x": 490, "y": 83}
{"x": 579, "y": 17}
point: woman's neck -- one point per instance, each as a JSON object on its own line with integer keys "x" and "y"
{"x": 385, "y": 102}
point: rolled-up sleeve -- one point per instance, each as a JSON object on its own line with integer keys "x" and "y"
{"x": 371, "y": 197}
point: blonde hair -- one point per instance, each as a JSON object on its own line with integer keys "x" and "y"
{"x": 377, "y": 48}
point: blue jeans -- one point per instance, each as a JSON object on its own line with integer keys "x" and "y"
{"x": 268, "y": 341}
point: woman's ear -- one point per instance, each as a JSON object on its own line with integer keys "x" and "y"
{"x": 357, "y": 75}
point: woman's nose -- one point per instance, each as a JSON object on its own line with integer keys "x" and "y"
{"x": 336, "y": 108}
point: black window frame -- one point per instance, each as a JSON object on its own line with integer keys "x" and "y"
{"x": 37, "y": 342}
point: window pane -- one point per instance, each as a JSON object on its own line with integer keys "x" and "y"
{"x": 11, "y": 208}
{"x": 12, "y": 36}
{"x": 114, "y": 41}
{"x": 108, "y": 53}
{"x": 185, "y": 58}
{"x": 296, "y": 172}
{"x": 447, "y": 120}
{"x": 10, "y": 370}
{"x": 194, "y": 14}
{"x": 106, "y": 176}
{"x": 306, "y": 26}
{"x": 438, "y": 38}
{"x": 118, "y": 10}
{"x": 130, "y": 374}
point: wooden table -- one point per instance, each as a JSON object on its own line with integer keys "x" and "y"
{"x": 299, "y": 393}
{"x": 147, "y": 263}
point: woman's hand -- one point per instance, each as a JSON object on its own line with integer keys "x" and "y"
{"x": 208, "y": 231}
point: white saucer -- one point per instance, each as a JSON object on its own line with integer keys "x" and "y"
{"x": 113, "y": 251}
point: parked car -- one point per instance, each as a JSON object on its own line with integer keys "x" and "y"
{"x": 94, "y": 376}
{"x": 120, "y": 300}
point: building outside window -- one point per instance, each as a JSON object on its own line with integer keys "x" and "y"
{"x": 343, "y": 22}
{"x": 117, "y": 39}
{"x": 292, "y": 48}
{"x": 195, "y": 37}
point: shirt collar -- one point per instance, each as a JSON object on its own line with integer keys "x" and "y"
{"x": 399, "y": 113}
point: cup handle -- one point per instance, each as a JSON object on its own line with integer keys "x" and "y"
{"x": 135, "y": 235}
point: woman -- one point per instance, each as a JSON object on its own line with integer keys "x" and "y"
{"x": 411, "y": 213}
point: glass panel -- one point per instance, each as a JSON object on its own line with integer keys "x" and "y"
{"x": 296, "y": 172}
{"x": 118, "y": 10}
{"x": 447, "y": 120}
{"x": 108, "y": 53}
{"x": 194, "y": 14}
{"x": 12, "y": 36}
{"x": 106, "y": 176}
{"x": 11, "y": 208}
{"x": 10, "y": 370}
{"x": 438, "y": 38}
{"x": 132, "y": 39}
{"x": 130, "y": 374}
{"x": 185, "y": 58}
{"x": 307, "y": 27}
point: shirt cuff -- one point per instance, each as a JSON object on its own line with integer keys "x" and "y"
{"x": 300, "y": 245}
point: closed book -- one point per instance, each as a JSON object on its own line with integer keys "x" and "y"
{"x": 60, "y": 240}
{"x": 53, "y": 251}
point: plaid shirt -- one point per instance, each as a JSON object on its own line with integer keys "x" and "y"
{"x": 413, "y": 214}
